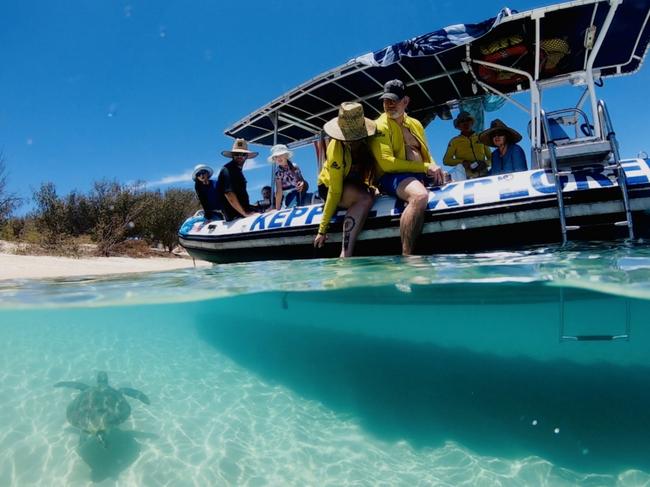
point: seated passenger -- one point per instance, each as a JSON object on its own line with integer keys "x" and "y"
{"x": 231, "y": 183}
{"x": 347, "y": 171}
{"x": 206, "y": 190}
{"x": 403, "y": 161}
{"x": 466, "y": 149}
{"x": 508, "y": 157}
{"x": 290, "y": 186}
{"x": 265, "y": 203}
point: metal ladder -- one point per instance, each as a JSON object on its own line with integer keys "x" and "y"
{"x": 615, "y": 165}
{"x": 593, "y": 337}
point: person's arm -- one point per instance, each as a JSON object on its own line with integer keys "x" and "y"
{"x": 203, "y": 199}
{"x": 519, "y": 159}
{"x": 449, "y": 158}
{"x": 278, "y": 194}
{"x": 382, "y": 149}
{"x": 488, "y": 157}
{"x": 234, "y": 202}
{"x": 302, "y": 186}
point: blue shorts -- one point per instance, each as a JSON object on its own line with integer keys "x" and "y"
{"x": 389, "y": 182}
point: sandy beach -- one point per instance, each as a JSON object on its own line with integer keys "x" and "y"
{"x": 35, "y": 266}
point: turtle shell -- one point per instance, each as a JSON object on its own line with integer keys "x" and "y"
{"x": 98, "y": 409}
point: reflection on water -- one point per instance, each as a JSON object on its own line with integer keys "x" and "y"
{"x": 447, "y": 370}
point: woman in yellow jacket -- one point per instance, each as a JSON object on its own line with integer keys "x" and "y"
{"x": 466, "y": 149}
{"x": 344, "y": 179}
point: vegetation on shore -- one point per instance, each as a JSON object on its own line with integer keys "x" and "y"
{"x": 111, "y": 219}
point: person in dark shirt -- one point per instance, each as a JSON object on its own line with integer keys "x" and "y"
{"x": 206, "y": 190}
{"x": 231, "y": 183}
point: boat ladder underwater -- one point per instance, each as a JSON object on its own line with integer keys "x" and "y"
{"x": 577, "y": 331}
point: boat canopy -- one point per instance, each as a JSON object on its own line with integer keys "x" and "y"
{"x": 576, "y": 43}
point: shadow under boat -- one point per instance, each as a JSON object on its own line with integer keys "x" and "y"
{"x": 589, "y": 417}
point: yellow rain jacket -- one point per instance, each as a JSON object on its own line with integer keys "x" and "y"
{"x": 387, "y": 145}
{"x": 462, "y": 148}
{"x": 336, "y": 167}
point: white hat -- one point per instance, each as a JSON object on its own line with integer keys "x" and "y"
{"x": 201, "y": 167}
{"x": 278, "y": 150}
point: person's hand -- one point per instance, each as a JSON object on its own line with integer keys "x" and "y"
{"x": 436, "y": 174}
{"x": 319, "y": 240}
{"x": 482, "y": 166}
{"x": 300, "y": 186}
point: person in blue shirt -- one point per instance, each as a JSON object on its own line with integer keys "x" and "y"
{"x": 206, "y": 190}
{"x": 508, "y": 157}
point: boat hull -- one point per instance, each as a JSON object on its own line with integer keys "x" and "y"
{"x": 482, "y": 214}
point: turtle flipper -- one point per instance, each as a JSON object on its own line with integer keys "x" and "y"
{"x": 134, "y": 393}
{"x": 74, "y": 385}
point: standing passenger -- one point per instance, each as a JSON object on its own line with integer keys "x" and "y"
{"x": 231, "y": 183}
{"x": 508, "y": 157}
{"x": 404, "y": 161}
{"x": 346, "y": 174}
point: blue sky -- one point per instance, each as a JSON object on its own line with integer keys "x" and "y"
{"x": 143, "y": 90}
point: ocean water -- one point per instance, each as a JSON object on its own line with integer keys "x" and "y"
{"x": 518, "y": 368}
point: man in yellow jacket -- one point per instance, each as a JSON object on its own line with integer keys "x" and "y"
{"x": 403, "y": 161}
{"x": 467, "y": 150}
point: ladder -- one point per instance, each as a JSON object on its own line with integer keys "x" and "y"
{"x": 592, "y": 337}
{"x": 575, "y": 152}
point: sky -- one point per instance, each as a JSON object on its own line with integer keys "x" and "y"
{"x": 143, "y": 90}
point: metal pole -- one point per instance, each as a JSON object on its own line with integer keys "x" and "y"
{"x": 276, "y": 122}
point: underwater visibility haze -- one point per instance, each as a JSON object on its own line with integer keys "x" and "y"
{"x": 512, "y": 368}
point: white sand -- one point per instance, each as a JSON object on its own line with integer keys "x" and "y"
{"x": 34, "y": 267}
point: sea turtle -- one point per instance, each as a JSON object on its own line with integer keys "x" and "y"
{"x": 99, "y": 408}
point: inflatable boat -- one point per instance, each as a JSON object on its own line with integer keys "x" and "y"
{"x": 578, "y": 186}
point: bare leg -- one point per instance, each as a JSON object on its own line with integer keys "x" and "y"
{"x": 410, "y": 225}
{"x": 358, "y": 203}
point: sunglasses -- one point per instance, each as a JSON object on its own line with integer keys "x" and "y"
{"x": 239, "y": 154}
{"x": 202, "y": 173}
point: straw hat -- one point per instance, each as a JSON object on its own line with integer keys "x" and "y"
{"x": 278, "y": 150}
{"x": 350, "y": 124}
{"x": 497, "y": 127}
{"x": 241, "y": 146}
{"x": 462, "y": 116}
{"x": 202, "y": 167}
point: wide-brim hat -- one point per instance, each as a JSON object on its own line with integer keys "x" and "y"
{"x": 239, "y": 146}
{"x": 463, "y": 116}
{"x": 201, "y": 167}
{"x": 278, "y": 150}
{"x": 350, "y": 124}
{"x": 498, "y": 127}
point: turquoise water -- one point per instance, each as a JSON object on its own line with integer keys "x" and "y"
{"x": 444, "y": 370}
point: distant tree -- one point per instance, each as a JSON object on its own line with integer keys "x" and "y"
{"x": 115, "y": 210}
{"x": 50, "y": 215}
{"x": 79, "y": 219}
{"x": 165, "y": 214}
{"x": 8, "y": 201}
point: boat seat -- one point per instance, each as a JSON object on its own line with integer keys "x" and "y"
{"x": 574, "y": 152}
